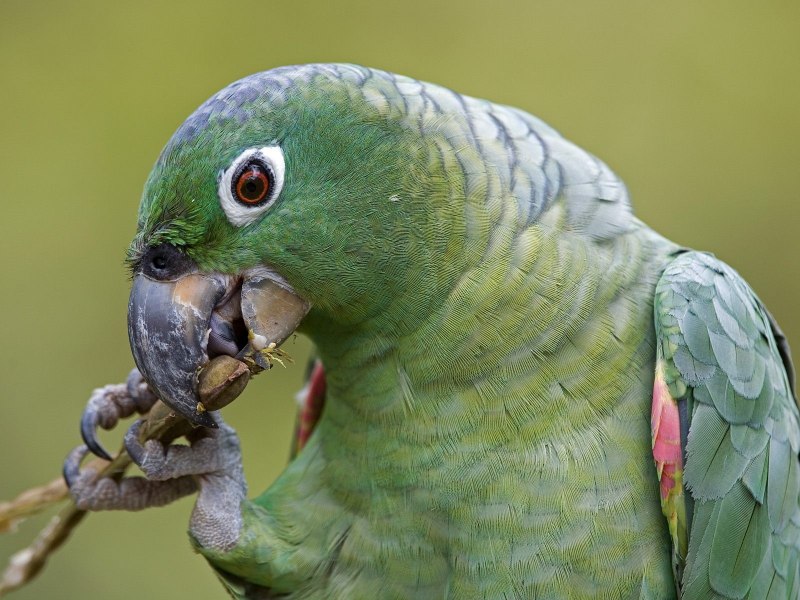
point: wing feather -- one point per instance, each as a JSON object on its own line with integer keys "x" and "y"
{"x": 721, "y": 353}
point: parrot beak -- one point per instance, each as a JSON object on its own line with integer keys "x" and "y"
{"x": 271, "y": 311}
{"x": 168, "y": 325}
{"x": 177, "y": 325}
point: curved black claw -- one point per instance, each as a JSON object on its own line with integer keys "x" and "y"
{"x": 72, "y": 465}
{"x": 90, "y": 419}
{"x": 132, "y": 444}
{"x": 110, "y": 403}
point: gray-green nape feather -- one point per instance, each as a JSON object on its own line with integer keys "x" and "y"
{"x": 512, "y": 153}
{"x": 742, "y": 454}
{"x": 500, "y": 151}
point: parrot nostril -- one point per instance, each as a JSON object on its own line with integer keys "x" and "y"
{"x": 159, "y": 262}
{"x": 166, "y": 262}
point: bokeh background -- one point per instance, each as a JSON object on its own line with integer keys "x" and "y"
{"x": 695, "y": 105}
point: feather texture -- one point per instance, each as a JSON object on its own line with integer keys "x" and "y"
{"x": 483, "y": 300}
{"x": 742, "y": 468}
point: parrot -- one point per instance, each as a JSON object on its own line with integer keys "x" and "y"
{"x": 520, "y": 389}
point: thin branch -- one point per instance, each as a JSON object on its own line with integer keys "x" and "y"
{"x": 223, "y": 379}
{"x": 31, "y": 502}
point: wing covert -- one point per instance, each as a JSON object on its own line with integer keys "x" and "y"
{"x": 718, "y": 357}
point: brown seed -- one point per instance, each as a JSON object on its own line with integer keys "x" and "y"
{"x": 221, "y": 381}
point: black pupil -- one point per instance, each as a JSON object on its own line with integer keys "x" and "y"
{"x": 159, "y": 262}
{"x": 253, "y": 186}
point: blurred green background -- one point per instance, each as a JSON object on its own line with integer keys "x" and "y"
{"x": 695, "y": 105}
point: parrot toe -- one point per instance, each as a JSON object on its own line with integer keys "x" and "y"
{"x": 89, "y": 420}
{"x": 91, "y": 491}
{"x": 72, "y": 465}
{"x": 109, "y": 404}
{"x": 210, "y": 451}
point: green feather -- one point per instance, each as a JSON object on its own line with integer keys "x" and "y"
{"x": 487, "y": 309}
{"x": 712, "y": 464}
{"x": 783, "y": 489}
{"x": 742, "y": 451}
{"x": 755, "y": 476}
{"x": 740, "y": 536}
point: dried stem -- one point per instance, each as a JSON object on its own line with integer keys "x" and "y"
{"x": 219, "y": 385}
{"x": 31, "y": 502}
{"x": 161, "y": 423}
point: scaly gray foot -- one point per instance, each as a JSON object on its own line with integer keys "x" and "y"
{"x": 210, "y": 464}
{"x": 110, "y": 403}
{"x": 91, "y": 492}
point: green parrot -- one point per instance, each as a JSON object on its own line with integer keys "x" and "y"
{"x": 528, "y": 393}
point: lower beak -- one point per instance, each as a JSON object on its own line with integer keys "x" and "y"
{"x": 169, "y": 323}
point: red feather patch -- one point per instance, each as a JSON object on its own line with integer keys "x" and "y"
{"x": 665, "y": 427}
{"x": 311, "y": 407}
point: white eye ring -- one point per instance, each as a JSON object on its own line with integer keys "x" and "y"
{"x": 270, "y": 167}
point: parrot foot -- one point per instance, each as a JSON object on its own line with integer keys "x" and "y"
{"x": 211, "y": 451}
{"x": 214, "y": 460}
{"x": 129, "y": 493}
{"x": 110, "y": 403}
{"x": 210, "y": 464}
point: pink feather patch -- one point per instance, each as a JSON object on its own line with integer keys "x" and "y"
{"x": 666, "y": 433}
{"x": 311, "y": 408}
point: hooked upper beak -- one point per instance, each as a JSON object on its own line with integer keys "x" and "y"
{"x": 179, "y": 318}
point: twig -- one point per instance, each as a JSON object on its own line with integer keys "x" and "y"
{"x": 31, "y": 502}
{"x": 220, "y": 383}
{"x": 25, "y": 564}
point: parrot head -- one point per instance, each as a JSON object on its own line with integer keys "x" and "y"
{"x": 288, "y": 196}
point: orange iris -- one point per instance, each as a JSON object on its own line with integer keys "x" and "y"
{"x": 252, "y": 186}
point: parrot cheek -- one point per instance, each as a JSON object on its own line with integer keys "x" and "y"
{"x": 176, "y": 326}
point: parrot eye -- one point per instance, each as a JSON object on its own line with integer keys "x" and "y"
{"x": 251, "y": 184}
